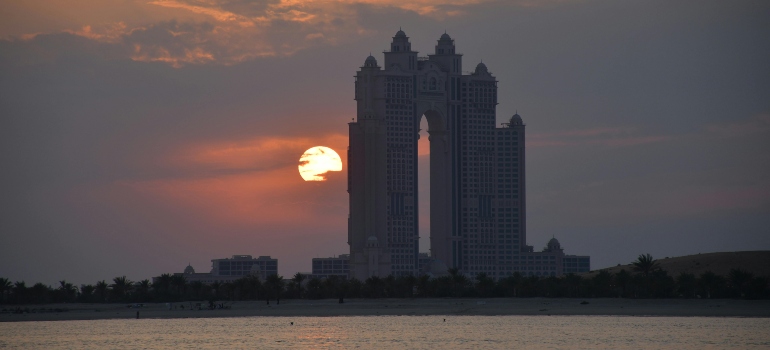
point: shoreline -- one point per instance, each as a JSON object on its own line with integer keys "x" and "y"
{"x": 406, "y": 307}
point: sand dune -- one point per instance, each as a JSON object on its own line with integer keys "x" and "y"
{"x": 755, "y": 262}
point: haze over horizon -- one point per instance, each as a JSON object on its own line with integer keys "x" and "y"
{"x": 140, "y": 136}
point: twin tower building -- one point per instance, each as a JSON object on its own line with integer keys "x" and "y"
{"x": 477, "y": 177}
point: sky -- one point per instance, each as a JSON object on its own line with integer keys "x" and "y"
{"x": 137, "y": 136}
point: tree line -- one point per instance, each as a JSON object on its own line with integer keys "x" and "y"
{"x": 645, "y": 280}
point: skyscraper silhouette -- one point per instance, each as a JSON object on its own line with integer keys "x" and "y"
{"x": 477, "y": 204}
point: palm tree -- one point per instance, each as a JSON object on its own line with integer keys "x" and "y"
{"x": 253, "y": 285}
{"x": 5, "y": 288}
{"x": 121, "y": 286}
{"x": 298, "y": 278}
{"x": 527, "y": 286}
{"x": 663, "y": 285}
{"x": 354, "y": 287}
{"x": 506, "y": 287}
{"x": 179, "y": 283}
{"x": 757, "y": 288}
{"x": 331, "y": 286}
{"x": 519, "y": 280}
{"x": 102, "y": 289}
{"x": 484, "y": 284}
{"x": 410, "y": 282}
{"x": 161, "y": 286}
{"x": 274, "y": 286}
{"x": 197, "y": 288}
{"x": 314, "y": 288}
{"x": 143, "y": 289}
{"x": 247, "y": 287}
{"x": 621, "y": 279}
{"x": 686, "y": 284}
{"x": 390, "y": 286}
{"x": 86, "y": 292}
{"x": 459, "y": 281}
{"x": 227, "y": 290}
{"x": 422, "y": 285}
{"x": 20, "y": 292}
{"x": 67, "y": 291}
{"x": 708, "y": 282}
{"x": 215, "y": 288}
{"x": 602, "y": 284}
{"x": 645, "y": 264}
{"x": 40, "y": 293}
{"x": 240, "y": 287}
{"x": 739, "y": 280}
{"x": 374, "y": 286}
{"x": 573, "y": 284}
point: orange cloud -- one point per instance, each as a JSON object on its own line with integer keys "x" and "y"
{"x": 252, "y": 154}
{"x": 161, "y": 54}
{"x": 247, "y": 183}
{"x": 181, "y": 32}
{"x": 212, "y": 11}
{"x": 109, "y": 33}
{"x": 274, "y": 197}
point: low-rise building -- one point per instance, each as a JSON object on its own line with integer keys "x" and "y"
{"x": 551, "y": 261}
{"x": 577, "y": 263}
{"x": 231, "y": 269}
{"x": 333, "y": 266}
{"x": 244, "y": 265}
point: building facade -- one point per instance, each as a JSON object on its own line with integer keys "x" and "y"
{"x": 333, "y": 266}
{"x": 244, "y": 265}
{"x": 577, "y": 263}
{"x": 477, "y": 173}
{"x": 231, "y": 269}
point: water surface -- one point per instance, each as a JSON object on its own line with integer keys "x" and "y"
{"x": 394, "y": 332}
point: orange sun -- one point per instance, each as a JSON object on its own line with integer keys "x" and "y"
{"x": 317, "y": 161}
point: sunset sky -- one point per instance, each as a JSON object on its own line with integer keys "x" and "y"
{"x": 137, "y": 136}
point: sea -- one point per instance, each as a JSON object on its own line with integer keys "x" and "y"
{"x": 394, "y": 332}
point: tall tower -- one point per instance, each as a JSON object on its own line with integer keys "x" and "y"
{"x": 477, "y": 170}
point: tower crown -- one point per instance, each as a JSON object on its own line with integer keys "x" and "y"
{"x": 370, "y": 62}
{"x": 554, "y": 244}
{"x": 400, "y": 42}
{"x": 481, "y": 68}
{"x": 446, "y": 45}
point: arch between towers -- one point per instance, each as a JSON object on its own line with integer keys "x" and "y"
{"x": 440, "y": 180}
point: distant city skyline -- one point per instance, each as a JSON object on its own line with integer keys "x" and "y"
{"x": 141, "y": 136}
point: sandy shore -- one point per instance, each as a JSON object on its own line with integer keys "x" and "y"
{"x": 374, "y": 307}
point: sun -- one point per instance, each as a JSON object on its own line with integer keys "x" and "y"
{"x": 317, "y": 161}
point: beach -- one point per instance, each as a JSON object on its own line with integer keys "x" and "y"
{"x": 399, "y": 307}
